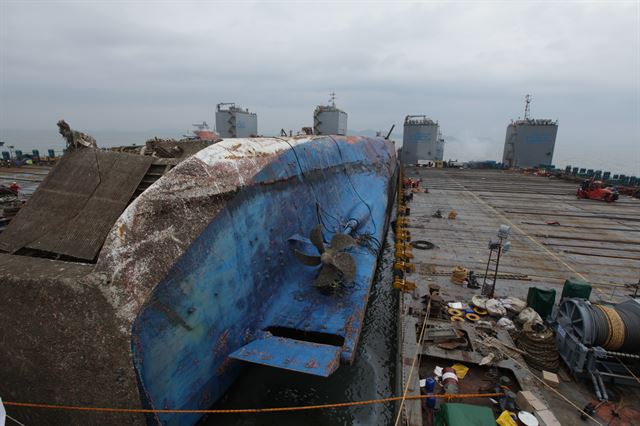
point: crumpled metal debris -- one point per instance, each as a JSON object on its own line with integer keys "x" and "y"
{"x": 513, "y": 304}
{"x": 496, "y": 308}
{"x": 528, "y": 316}
{"x": 74, "y": 138}
{"x": 506, "y": 323}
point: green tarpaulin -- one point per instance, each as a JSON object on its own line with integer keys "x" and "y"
{"x": 575, "y": 287}
{"x": 541, "y": 300}
{"x": 453, "y": 414}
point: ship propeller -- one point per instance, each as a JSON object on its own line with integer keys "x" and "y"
{"x": 337, "y": 265}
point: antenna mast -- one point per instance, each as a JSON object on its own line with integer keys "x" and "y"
{"x": 332, "y": 100}
{"x": 527, "y": 110}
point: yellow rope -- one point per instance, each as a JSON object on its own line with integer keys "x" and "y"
{"x": 615, "y": 340}
{"x": 247, "y": 410}
{"x": 459, "y": 274}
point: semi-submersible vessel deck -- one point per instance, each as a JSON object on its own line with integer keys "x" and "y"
{"x": 554, "y": 237}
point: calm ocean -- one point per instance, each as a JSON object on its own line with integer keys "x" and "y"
{"x": 624, "y": 160}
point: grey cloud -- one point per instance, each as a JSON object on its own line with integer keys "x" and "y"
{"x": 159, "y": 65}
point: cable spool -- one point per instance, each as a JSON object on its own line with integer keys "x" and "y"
{"x": 480, "y": 311}
{"x": 615, "y": 337}
{"x": 629, "y": 311}
{"x": 601, "y": 324}
{"x": 455, "y": 312}
{"x": 456, "y": 318}
{"x": 615, "y": 328}
{"x": 472, "y": 317}
{"x": 539, "y": 344}
{"x": 459, "y": 274}
{"x": 449, "y": 380}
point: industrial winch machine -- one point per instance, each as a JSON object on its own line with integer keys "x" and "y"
{"x": 598, "y": 342}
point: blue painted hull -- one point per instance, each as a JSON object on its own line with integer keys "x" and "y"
{"x": 239, "y": 277}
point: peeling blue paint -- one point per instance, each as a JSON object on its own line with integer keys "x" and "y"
{"x": 239, "y": 277}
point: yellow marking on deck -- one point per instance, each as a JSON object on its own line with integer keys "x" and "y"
{"x": 550, "y": 253}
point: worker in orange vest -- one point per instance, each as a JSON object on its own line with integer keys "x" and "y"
{"x": 14, "y": 187}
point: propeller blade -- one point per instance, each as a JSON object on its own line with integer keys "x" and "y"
{"x": 327, "y": 277}
{"x": 345, "y": 264}
{"x": 307, "y": 259}
{"x": 316, "y": 238}
{"x": 341, "y": 241}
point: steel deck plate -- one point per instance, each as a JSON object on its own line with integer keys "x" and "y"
{"x": 77, "y": 204}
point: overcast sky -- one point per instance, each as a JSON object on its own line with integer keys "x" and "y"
{"x": 156, "y": 67}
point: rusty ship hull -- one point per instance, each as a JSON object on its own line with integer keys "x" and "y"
{"x": 159, "y": 302}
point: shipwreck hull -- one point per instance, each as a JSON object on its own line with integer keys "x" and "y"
{"x": 197, "y": 277}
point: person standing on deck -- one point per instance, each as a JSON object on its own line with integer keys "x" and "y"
{"x": 15, "y": 188}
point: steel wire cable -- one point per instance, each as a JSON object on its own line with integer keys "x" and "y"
{"x": 601, "y": 326}
{"x": 630, "y": 313}
{"x": 346, "y": 172}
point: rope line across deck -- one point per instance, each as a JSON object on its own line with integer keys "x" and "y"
{"x": 248, "y": 410}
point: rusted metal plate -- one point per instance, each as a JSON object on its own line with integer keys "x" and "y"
{"x": 77, "y": 204}
{"x": 281, "y": 352}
